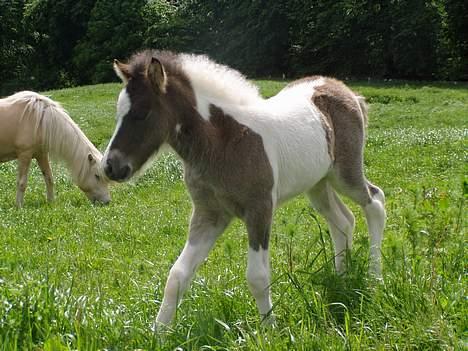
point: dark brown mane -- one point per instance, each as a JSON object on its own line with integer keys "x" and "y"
{"x": 139, "y": 61}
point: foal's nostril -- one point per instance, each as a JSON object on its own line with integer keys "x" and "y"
{"x": 125, "y": 171}
{"x": 108, "y": 169}
{"x": 116, "y": 170}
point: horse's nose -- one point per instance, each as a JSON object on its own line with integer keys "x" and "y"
{"x": 103, "y": 202}
{"x": 117, "y": 170}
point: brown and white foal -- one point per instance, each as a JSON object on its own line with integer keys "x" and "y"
{"x": 243, "y": 156}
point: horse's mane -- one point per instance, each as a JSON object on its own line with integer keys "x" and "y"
{"x": 208, "y": 79}
{"x": 62, "y": 137}
{"x": 218, "y": 82}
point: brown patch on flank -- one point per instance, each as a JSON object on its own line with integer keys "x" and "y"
{"x": 343, "y": 113}
{"x": 329, "y": 134}
{"x": 227, "y": 166}
{"x": 326, "y": 122}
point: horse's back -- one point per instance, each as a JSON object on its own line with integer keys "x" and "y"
{"x": 294, "y": 139}
{"x": 16, "y": 132}
{"x": 307, "y": 126}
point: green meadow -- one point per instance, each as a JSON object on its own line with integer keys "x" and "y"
{"x": 74, "y": 276}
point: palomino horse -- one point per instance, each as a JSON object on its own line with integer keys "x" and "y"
{"x": 243, "y": 156}
{"x": 32, "y": 126}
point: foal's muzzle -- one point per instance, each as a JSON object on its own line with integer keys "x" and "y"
{"x": 116, "y": 169}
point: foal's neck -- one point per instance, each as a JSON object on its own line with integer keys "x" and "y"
{"x": 193, "y": 139}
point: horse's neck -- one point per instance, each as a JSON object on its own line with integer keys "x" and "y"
{"x": 70, "y": 145}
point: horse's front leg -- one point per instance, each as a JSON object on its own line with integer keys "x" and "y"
{"x": 205, "y": 227}
{"x": 24, "y": 161}
{"x": 258, "y": 270}
{"x": 44, "y": 165}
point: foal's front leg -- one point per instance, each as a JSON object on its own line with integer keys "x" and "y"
{"x": 204, "y": 230}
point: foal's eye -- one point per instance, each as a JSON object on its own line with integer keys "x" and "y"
{"x": 98, "y": 178}
{"x": 143, "y": 117}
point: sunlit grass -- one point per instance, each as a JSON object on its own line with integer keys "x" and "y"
{"x": 76, "y": 276}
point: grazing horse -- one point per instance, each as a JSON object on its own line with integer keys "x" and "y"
{"x": 32, "y": 126}
{"x": 243, "y": 156}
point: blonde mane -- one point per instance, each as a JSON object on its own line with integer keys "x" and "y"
{"x": 62, "y": 137}
{"x": 217, "y": 82}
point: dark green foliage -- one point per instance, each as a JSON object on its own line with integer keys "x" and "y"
{"x": 457, "y": 28}
{"x": 115, "y": 30}
{"x": 13, "y": 50}
{"x": 249, "y": 35}
{"x": 163, "y": 26}
{"x": 53, "y": 43}
{"x": 378, "y": 38}
{"x": 54, "y": 27}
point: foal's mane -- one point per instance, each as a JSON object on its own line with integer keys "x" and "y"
{"x": 62, "y": 137}
{"x": 209, "y": 79}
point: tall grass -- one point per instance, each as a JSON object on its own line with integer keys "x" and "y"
{"x": 76, "y": 276}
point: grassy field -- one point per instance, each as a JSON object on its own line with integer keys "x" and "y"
{"x": 78, "y": 276}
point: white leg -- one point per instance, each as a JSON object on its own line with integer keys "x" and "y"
{"x": 376, "y": 217}
{"x": 258, "y": 265}
{"x": 24, "y": 161}
{"x": 339, "y": 218}
{"x": 258, "y": 278}
{"x": 203, "y": 234}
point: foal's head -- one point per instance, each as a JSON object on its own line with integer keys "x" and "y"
{"x": 143, "y": 117}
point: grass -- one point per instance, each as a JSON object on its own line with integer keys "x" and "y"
{"x": 76, "y": 276}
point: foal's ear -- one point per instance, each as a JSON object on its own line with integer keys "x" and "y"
{"x": 122, "y": 70}
{"x": 156, "y": 75}
{"x": 91, "y": 159}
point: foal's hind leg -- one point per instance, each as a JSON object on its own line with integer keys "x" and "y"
{"x": 372, "y": 200}
{"x": 347, "y": 115}
{"x": 339, "y": 218}
{"x": 24, "y": 161}
{"x": 44, "y": 165}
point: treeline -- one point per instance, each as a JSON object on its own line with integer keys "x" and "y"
{"x": 57, "y": 43}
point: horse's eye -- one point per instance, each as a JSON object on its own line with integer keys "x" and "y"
{"x": 98, "y": 178}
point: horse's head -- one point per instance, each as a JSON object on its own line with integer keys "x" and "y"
{"x": 92, "y": 181}
{"x": 142, "y": 117}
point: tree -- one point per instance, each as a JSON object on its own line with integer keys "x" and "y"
{"x": 249, "y": 35}
{"x": 14, "y": 51}
{"x": 54, "y": 28}
{"x": 114, "y": 30}
{"x": 457, "y": 35}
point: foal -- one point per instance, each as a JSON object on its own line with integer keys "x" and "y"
{"x": 32, "y": 126}
{"x": 244, "y": 156}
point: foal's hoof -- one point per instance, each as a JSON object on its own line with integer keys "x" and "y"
{"x": 376, "y": 276}
{"x": 160, "y": 328}
{"x": 268, "y": 321}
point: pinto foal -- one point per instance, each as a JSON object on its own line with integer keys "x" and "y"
{"x": 243, "y": 156}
